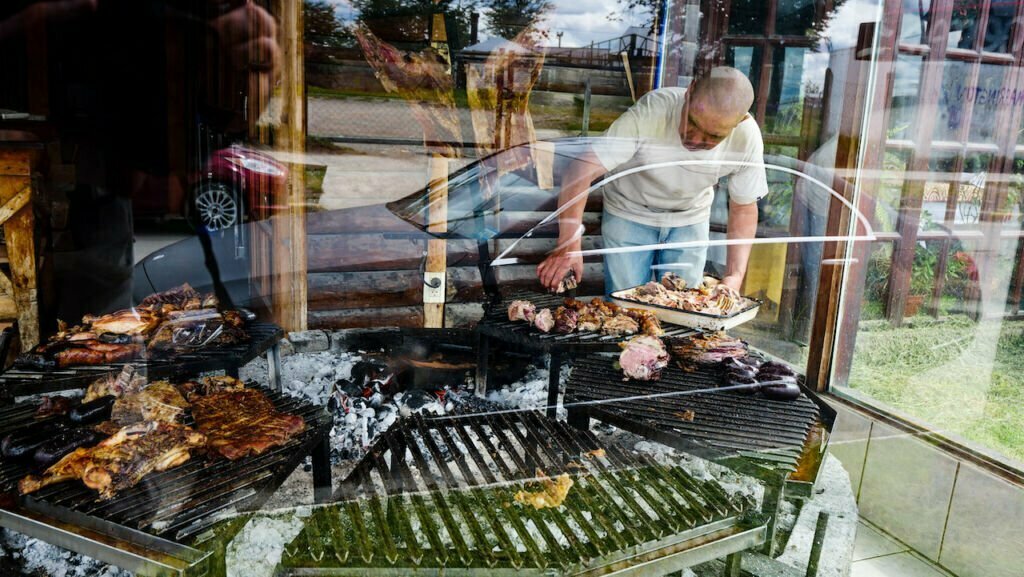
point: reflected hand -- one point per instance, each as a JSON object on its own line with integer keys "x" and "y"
{"x": 248, "y": 35}
{"x": 557, "y": 265}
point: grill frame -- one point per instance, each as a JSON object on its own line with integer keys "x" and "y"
{"x": 682, "y": 521}
{"x": 264, "y": 338}
{"x": 124, "y": 531}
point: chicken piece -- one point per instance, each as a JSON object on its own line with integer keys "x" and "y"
{"x": 122, "y": 460}
{"x": 521, "y": 311}
{"x": 604, "y": 308}
{"x": 620, "y": 325}
{"x": 568, "y": 283}
{"x": 551, "y": 495}
{"x": 648, "y": 322}
{"x": 159, "y": 401}
{"x": 565, "y": 320}
{"x": 578, "y": 306}
{"x": 127, "y": 381}
{"x": 544, "y": 320}
{"x": 242, "y": 422}
{"x": 125, "y": 322}
{"x": 643, "y": 357}
{"x": 590, "y": 321}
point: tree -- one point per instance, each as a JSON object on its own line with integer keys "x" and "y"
{"x": 321, "y": 26}
{"x": 507, "y": 18}
{"x": 407, "y": 22}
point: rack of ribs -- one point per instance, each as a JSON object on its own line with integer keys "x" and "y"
{"x": 121, "y": 461}
{"x": 241, "y": 422}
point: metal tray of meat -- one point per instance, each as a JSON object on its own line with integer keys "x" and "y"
{"x": 695, "y": 320}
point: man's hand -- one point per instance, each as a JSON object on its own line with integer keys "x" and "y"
{"x": 248, "y": 35}
{"x": 557, "y": 265}
{"x": 733, "y": 281}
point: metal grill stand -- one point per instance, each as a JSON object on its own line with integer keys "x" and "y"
{"x": 496, "y": 326}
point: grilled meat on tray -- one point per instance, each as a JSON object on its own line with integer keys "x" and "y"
{"x": 121, "y": 461}
{"x": 241, "y": 422}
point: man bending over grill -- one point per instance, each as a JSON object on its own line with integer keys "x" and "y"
{"x": 706, "y": 125}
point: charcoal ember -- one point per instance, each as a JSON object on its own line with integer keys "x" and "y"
{"x": 369, "y": 370}
{"x": 419, "y": 401}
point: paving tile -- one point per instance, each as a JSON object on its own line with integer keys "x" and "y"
{"x": 870, "y": 543}
{"x": 898, "y": 565}
{"x": 906, "y": 489}
{"x": 849, "y": 442}
{"x": 985, "y": 534}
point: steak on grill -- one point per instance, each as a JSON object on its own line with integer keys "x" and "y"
{"x": 122, "y": 460}
{"x": 241, "y": 422}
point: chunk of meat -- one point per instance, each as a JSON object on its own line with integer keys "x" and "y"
{"x": 126, "y": 322}
{"x": 242, "y": 422}
{"x": 565, "y": 320}
{"x": 159, "y": 401}
{"x": 643, "y": 357}
{"x": 122, "y": 460}
{"x": 544, "y": 320}
{"x": 521, "y": 311}
{"x": 620, "y": 325}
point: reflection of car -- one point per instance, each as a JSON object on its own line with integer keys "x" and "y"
{"x": 233, "y": 186}
{"x": 389, "y": 237}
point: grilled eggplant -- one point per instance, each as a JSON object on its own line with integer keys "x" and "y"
{"x": 63, "y": 443}
{"x": 94, "y": 411}
{"x": 24, "y": 442}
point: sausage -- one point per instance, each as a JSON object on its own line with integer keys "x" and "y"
{"x": 24, "y": 442}
{"x": 56, "y": 447}
{"x": 94, "y": 411}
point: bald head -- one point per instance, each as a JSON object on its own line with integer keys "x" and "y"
{"x": 725, "y": 90}
{"x": 716, "y": 103}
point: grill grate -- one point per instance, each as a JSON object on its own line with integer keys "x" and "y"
{"x": 178, "y": 503}
{"x": 723, "y": 424}
{"x": 438, "y": 495}
{"x": 495, "y": 324}
{"x": 262, "y": 336}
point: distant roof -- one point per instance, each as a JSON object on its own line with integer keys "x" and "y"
{"x": 497, "y": 43}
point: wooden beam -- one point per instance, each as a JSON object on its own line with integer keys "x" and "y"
{"x": 289, "y": 226}
{"x": 437, "y": 249}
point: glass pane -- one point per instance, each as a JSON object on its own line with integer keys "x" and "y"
{"x": 940, "y": 191}
{"x": 747, "y": 17}
{"x": 952, "y": 102}
{"x": 905, "y": 96}
{"x": 965, "y": 29}
{"x": 784, "y": 114}
{"x": 913, "y": 27}
{"x": 747, "y": 59}
{"x": 989, "y": 101}
{"x": 887, "y": 201}
{"x": 795, "y": 16}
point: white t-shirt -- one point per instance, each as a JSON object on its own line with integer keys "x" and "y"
{"x": 648, "y": 133}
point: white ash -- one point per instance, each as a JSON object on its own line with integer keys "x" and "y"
{"x": 531, "y": 391}
{"x": 309, "y": 375}
{"x": 258, "y": 548}
{"x": 38, "y": 558}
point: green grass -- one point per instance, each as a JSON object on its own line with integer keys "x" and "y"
{"x": 956, "y": 375}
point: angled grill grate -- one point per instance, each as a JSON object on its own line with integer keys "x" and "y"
{"x": 438, "y": 496}
{"x": 262, "y": 336}
{"x": 165, "y": 509}
{"x": 721, "y": 425}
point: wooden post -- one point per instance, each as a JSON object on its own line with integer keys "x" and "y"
{"x": 289, "y": 225}
{"x": 437, "y": 250}
{"x": 19, "y": 226}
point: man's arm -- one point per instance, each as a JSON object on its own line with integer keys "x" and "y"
{"x": 573, "y": 195}
{"x": 742, "y": 225}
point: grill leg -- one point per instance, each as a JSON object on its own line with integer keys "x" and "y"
{"x": 733, "y": 564}
{"x": 773, "y": 496}
{"x": 274, "y": 366}
{"x": 322, "y": 471}
{"x": 483, "y": 357}
{"x": 553, "y": 382}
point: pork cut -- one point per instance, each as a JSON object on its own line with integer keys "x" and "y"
{"x": 643, "y": 357}
{"x": 242, "y": 422}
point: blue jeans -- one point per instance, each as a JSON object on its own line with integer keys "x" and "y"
{"x": 627, "y": 269}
